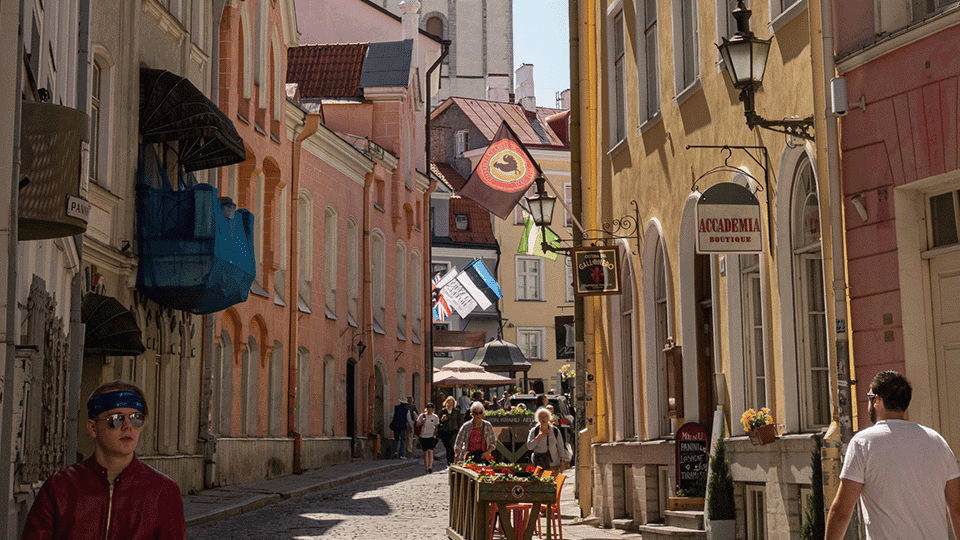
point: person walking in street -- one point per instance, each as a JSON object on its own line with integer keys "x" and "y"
{"x": 450, "y": 421}
{"x": 112, "y": 494}
{"x": 428, "y": 422}
{"x": 904, "y": 474}
{"x": 411, "y": 420}
{"x": 546, "y": 444}
{"x": 398, "y": 424}
{"x": 476, "y": 438}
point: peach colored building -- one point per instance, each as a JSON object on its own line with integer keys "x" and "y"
{"x": 900, "y": 164}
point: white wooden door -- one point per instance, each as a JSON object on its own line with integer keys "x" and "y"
{"x": 945, "y": 301}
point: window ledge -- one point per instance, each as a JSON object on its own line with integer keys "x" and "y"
{"x": 786, "y": 16}
{"x": 242, "y": 119}
{"x": 259, "y": 129}
{"x": 416, "y": 339}
{"x": 688, "y": 92}
{"x": 258, "y": 290}
{"x": 377, "y": 329}
{"x": 330, "y": 314}
{"x": 530, "y": 300}
{"x": 650, "y": 122}
{"x": 274, "y": 138}
{"x": 378, "y": 207}
{"x": 617, "y": 148}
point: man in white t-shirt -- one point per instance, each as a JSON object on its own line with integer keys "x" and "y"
{"x": 904, "y": 474}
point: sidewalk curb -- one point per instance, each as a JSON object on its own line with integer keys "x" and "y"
{"x": 255, "y": 502}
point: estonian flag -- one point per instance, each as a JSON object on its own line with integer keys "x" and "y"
{"x": 478, "y": 282}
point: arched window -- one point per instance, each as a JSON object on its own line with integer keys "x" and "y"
{"x": 435, "y": 26}
{"x": 353, "y": 270}
{"x": 809, "y": 300}
{"x": 303, "y": 391}
{"x": 223, "y": 404}
{"x": 625, "y": 363}
{"x": 258, "y": 223}
{"x": 657, "y": 302}
{"x": 277, "y": 406}
{"x": 304, "y": 249}
{"x": 401, "y": 293}
{"x": 329, "y": 394}
{"x": 379, "y": 277}
{"x": 416, "y": 278}
{"x": 330, "y": 261}
{"x": 280, "y": 275}
{"x": 249, "y": 386}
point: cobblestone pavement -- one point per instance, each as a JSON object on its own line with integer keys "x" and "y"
{"x": 398, "y": 505}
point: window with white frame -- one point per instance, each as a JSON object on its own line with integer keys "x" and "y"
{"x": 726, "y": 24}
{"x": 686, "y": 45}
{"x": 662, "y": 329}
{"x": 249, "y": 383}
{"x": 96, "y": 92}
{"x": 258, "y": 222}
{"x": 379, "y": 275}
{"x": 304, "y": 249}
{"x": 944, "y": 220}
{"x": 461, "y": 221}
{"x": 530, "y": 341}
{"x": 353, "y": 270}
{"x": 809, "y": 299}
{"x": 781, "y": 7}
{"x": 627, "y": 366}
{"x": 754, "y": 359}
{"x": 459, "y": 142}
{"x": 401, "y": 294}
{"x": 529, "y": 278}
{"x": 303, "y": 391}
{"x": 756, "y": 514}
{"x": 329, "y": 394}
{"x": 330, "y": 241}
{"x": 280, "y": 274}
{"x": 441, "y": 268}
{"x": 416, "y": 276}
{"x": 616, "y": 47}
{"x": 648, "y": 60}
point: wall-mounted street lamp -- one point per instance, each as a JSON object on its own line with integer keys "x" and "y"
{"x": 745, "y": 58}
{"x": 541, "y": 205}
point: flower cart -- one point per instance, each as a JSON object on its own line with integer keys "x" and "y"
{"x": 476, "y": 490}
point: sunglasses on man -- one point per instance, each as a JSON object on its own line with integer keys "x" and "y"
{"x": 115, "y": 420}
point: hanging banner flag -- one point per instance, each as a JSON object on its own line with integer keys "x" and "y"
{"x": 530, "y": 240}
{"x": 441, "y": 309}
{"x": 458, "y": 298}
{"x": 503, "y": 175}
{"x": 478, "y": 282}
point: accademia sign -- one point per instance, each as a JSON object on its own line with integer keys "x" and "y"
{"x": 728, "y": 220}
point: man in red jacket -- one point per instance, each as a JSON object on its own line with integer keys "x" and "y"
{"x": 112, "y": 495}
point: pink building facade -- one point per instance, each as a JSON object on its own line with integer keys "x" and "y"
{"x": 900, "y": 164}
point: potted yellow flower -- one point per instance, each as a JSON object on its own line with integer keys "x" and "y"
{"x": 759, "y": 426}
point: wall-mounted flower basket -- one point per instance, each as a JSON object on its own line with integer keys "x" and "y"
{"x": 763, "y": 434}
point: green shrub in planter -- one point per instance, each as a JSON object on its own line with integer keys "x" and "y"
{"x": 720, "y": 488}
{"x": 813, "y": 520}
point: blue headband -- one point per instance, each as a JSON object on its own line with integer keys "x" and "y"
{"x": 118, "y": 399}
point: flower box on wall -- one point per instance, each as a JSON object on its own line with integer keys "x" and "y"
{"x": 763, "y": 434}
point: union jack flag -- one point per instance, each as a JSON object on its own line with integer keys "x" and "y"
{"x": 441, "y": 310}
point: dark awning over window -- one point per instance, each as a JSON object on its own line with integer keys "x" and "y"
{"x": 173, "y": 109}
{"x": 111, "y": 329}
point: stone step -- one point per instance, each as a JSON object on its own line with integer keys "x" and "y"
{"x": 684, "y": 519}
{"x": 666, "y": 532}
{"x": 625, "y": 524}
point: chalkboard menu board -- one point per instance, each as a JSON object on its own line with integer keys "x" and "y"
{"x": 692, "y": 445}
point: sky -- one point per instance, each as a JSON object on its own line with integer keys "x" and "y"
{"x": 541, "y": 37}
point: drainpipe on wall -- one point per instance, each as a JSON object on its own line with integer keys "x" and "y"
{"x": 427, "y": 274}
{"x": 11, "y": 40}
{"x": 841, "y": 427}
{"x": 209, "y": 322}
{"x": 368, "y": 310}
{"x": 310, "y": 127}
{"x": 76, "y": 288}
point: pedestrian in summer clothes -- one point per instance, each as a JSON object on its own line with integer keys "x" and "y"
{"x": 428, "y": 422}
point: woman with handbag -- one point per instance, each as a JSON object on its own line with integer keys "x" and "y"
{"x": 426, "y": 425}
{"x": 546, "y": 443}
{"x": 450, "y": 421}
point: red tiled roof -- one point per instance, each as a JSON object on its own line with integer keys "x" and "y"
{"x": 326, "y": 71}
{"x": 448, "y": 175}
{"x": 479, "y": 226}
{"x": 487, "y": 116}
{"x": 560, "y": 124}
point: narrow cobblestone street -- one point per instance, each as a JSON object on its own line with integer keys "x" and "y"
{"x": 401, "y": 504}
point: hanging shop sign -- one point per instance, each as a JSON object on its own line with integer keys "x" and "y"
{"x": 728, "y": 220}
{"x": 596, "y": 271}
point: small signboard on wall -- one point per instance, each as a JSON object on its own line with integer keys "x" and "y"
{"x": 596, "y": 270}
{"x": 728, "y": 220}
{"x": 691, "y": 456}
